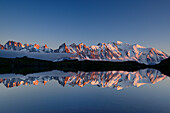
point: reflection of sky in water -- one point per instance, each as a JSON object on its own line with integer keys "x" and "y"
{"x": 54, "y": 98}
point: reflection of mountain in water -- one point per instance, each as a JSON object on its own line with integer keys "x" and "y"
{"x": 114, "y": 79}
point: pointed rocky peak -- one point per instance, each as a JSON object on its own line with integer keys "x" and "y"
{"x": 20, "y": 44}
{"x": 73, "y": 45}
{"x": 138, "y": 46}
{"x": 85, "y": 46}
{"x": 26, "y": 45}
{"x": 36, "y": 46}
{"x": 63, "y": 48}
{"x": 15, "y": 44}
{"x": 45, "y": 46}
{"x": 119, "y": 42}
{"x": 99, "y": 44}
{"x": 2, "y": 47}
{"x": 93, "y": 47}
{"x": 82, "y": 45}
{"x": 63, "y": 45}
{"x": 9, "y": 43}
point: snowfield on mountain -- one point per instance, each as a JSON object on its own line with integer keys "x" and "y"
{"x": 114, "y": 51}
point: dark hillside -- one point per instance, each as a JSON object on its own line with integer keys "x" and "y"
{"x": 27, "y": 65}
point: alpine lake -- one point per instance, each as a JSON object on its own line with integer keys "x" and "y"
{"x": 142, "y": 91}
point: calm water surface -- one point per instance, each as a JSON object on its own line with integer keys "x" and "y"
{"x": 143, "y": 91}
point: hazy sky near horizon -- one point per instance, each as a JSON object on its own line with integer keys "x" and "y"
{"x": 53, "y": 22}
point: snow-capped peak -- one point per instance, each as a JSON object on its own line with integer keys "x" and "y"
{"x": 119, "y": 42}
{"x": 36, "y": 46}
{"x": 139, "y": 46}
{"x": 45, "y": 46}
{"x": 2, "y": 47}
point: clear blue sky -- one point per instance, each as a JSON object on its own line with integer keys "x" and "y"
{"x": 52, "y": 22}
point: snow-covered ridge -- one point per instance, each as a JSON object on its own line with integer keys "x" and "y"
{"x": 114, "y": 51}
{"x": 17, "y": 46}
{"x": 118, "y": 51}
{"x": 112, "y": 79}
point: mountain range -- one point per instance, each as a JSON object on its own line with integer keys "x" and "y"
{"x": 114, "y": 51}
{"x": 17, "y": 46}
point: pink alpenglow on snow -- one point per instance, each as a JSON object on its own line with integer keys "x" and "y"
{"x": 114, "y": 51}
